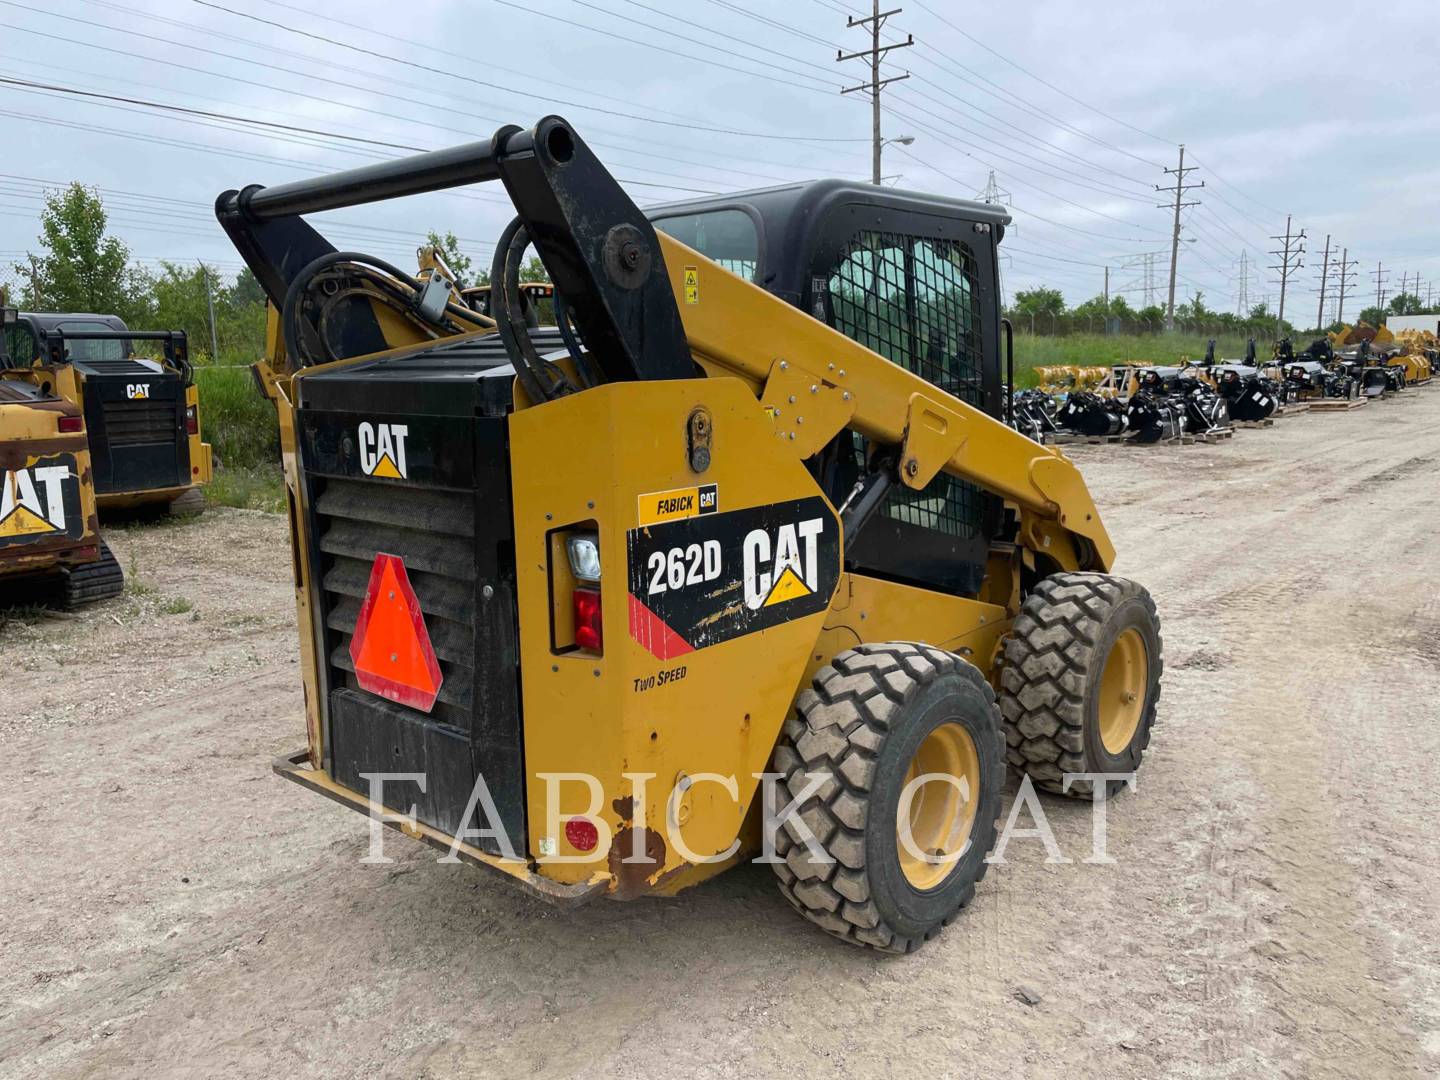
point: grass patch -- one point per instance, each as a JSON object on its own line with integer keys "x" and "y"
{"x": 1032, "y": 351}
{"x": 242, "y": 428}
{"x": 261, "y": 488}
{"x": 235, "y": 419}
{"x": 176, "y": 605}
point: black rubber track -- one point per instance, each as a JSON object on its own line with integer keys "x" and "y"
{"x": 838, "y": 728}
{"x": 188, "y": 504}
{"x": 1057, "y": 648}
{"x": 96, "y": 581}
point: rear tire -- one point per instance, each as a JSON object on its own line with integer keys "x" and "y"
{"x": 1061, "y": 715}
{"x": 875, "y": 713}
{"x": 95, "y": 581}
{"x": 188, "y": 504}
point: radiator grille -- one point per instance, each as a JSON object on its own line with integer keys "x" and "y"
{"x": 433, "y": 532}
{"x": 140, "y": 423}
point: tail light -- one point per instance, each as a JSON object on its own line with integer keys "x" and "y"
{"x": 192, "y": 421}
{"x": 588, "y": 623}
{"x": 72, "y": 423}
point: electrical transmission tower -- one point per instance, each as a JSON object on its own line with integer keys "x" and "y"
{"x": 993, "y": 193}
{"x": 1242, "y": 299}
{"x": 1289, "y": 263}
{"x": 1345, "y": 268}
{"x": 876, "y": 53}
{"x": 1380, "y": 275}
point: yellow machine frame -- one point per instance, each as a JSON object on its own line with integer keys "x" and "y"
{"x": 768, "y": 409}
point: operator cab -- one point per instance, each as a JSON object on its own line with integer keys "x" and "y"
{"x": 911, "y": 276}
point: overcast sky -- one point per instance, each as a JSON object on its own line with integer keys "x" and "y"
{"x": 1325, "y": 110}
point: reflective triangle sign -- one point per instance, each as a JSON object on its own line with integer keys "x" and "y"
{"x": 391, "y": 648}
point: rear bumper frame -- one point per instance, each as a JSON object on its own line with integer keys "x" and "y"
{"x": 296, "y": 768}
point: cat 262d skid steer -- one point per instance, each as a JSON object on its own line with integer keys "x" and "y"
{"x": 743, "y": 539}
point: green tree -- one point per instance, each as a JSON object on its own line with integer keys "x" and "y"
{"x": 534, "y": 270}
{"x": 1195, "y": 309}
{"x": 457, "y": 260}
{"x": 1406, "y": 304}
{"x": 80, "y": 267}
{"x": 1373, "y": 315}
{"x": 1039, "y": 301}
{"x": 1153, "y": 316}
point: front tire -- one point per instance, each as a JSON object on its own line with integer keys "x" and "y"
{"x": 879, "y": 716}
{"x": 1080, "y": 680}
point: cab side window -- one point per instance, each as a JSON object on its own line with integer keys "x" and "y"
{"x": 913, "y": 300}
{"x": 20, "y": 344}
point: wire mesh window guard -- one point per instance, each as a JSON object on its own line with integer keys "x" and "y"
{"x": 913, "y": 300}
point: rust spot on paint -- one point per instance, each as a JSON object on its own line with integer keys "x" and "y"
{"x": 624, "y": 807}
{"x": 632, "y": 874}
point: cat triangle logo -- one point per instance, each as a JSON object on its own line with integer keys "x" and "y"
{"x": 385, "y": 467}
{"x": 22, "y": 522}
{"x": 787, "y": 587}
{"x": 382, "y": 450}
{"x": 32, "y": 501}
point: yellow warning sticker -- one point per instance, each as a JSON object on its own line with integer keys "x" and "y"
{"x": 658, "y": 506}
{"x": 692, "y": 284}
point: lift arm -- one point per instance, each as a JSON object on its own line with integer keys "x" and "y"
{"x": 622, "y": 283}
{"x": 816, "y": 381}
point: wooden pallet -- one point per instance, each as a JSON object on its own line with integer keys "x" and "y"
{"x": 1338, "y": 404}
{"x": 1269, "y": 421}
{"x": 1070, "y": 438}
{"x": 1222, "y": 435}
{"x": 1294, "y": 408}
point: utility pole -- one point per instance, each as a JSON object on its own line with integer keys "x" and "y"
{"x": 1347, "y": 277}
{"x": 1107, "y": 290}
{"x": 1289, "y": 263}
{"x": 210, "y": 303}
{"x": 1324, "y": 274}
{"x": 1379, "y": 276}
{"x": 1179, "y": 189}
{"x": 876, "y": 53}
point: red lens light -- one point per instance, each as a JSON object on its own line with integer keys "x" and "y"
{"x": 582, "y": 834}
{"x": 72, "y": 423}
{"x": 192, "y": 421}
{"x": 588, "y": 632}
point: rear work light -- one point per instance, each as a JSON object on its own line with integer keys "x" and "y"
{"x": 588, "y": 632}
{"x": 192, "y": 421}
{"x": 72, "y": 423}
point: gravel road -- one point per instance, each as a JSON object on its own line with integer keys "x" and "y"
{"x": 169, "y": 906}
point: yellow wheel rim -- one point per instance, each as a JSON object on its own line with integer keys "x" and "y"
{"x": 938, "y": 814}
{"x": 1123, "y": 684}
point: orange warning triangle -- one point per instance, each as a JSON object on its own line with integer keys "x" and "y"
{"x": 788, "y": 586}
{"x": 23, "y": 522}
{"x": 391, "y": 647}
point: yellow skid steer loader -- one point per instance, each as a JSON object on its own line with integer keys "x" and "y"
{"x": 739, "y": 558}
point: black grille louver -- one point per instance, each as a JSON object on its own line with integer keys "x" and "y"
{"x": 140, "y": 423}
{"x": 433, "y": 532}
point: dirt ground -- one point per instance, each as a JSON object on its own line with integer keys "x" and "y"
{"x": 169, "y": 906}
